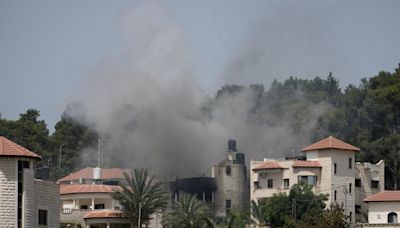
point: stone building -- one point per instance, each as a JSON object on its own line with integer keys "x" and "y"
{"x": 329, "y": 166}
{"x": 384, "y": 208}
{"x": 25, "y": 202}
{"x": 232, "y": 183}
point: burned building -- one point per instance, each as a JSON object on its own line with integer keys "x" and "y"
{"x": 203, "y": 187}
{"x": 227, "y": 189}
{"x": 231, "y": 178}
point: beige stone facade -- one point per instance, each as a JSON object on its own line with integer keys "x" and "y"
{"x": 330, "y": 170}
{"x": 35, "y": 195}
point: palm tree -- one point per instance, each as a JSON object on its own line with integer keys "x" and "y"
{"x": 140, "y": 195}
{"x": 188, "y": 212}
{"x": 259, "y": 212}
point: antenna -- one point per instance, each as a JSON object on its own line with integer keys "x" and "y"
{"x": 99, "y": 154}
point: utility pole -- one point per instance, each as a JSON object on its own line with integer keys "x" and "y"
{"x": 59, "y": 156}
{"x": 140, "y": 214}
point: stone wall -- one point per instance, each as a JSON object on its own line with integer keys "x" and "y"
{"x": 47, "y": 197}
{"x": 8, "y": 192}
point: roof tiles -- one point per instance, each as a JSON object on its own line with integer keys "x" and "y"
{"x": 87, "y": 173}
{"x": 385, "y": 196}
{"x": 10, "y": 148}
{"x": 104, "y": 214}
{"x": 87, "y": 188}
{"x": 268, "y": 165}
{"x": 330, "y": 143}
{"x": 306, "y": 164}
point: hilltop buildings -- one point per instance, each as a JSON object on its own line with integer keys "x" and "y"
{"x": 329, "y": 166}
{"x": 25, "y": 201}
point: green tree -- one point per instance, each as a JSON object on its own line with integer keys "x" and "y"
{"x": 188, "y": 212}
{"x": 259, "y": 212}
{"x": 141, "y": 195}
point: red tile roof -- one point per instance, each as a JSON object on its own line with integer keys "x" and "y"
{"x": 104, "y": 214}
{"x": 87, "y": 173}
{"x": 306, "y": 164}
{"x": 385, "y": 196}
{"x": 330, "y": 143}
{"x": 10, "y": 148}
{"x": 87, "y": 188}
{"x": 268, "y": 165}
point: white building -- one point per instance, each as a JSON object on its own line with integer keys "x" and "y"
{"x": 25, "y": 202}
{"x": 87, "y": 199}
{"x": 384, "y": 208}
{"x": 329, "y": 167}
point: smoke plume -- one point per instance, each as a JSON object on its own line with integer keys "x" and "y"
{"x": 150, "y": 112}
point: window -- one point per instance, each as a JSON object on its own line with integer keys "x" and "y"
{"x": 285, "y": 183}
{"x": 256, "y": 185}
{"x": 350, "y": 163}
{"x": 228, "y": 206}
{"x": 84, "y": 207}
{"x": 98, "y": 206}
{"x": 42, "y": 219}
{"x": 350, "y": 188}
{"x": 270, "y": 183}
{"x": 334, "y": 168}
{"x": 334, "y": 195}
{"x": 350, "y": 215}
{"x": 392, "y": 217}
{"x": 228, "y": 170}
{"x": 374, "y": 184}
{"x": 358, "y": 209}
{"x": 358, "y": 183}
{"x": 310, "y": 180}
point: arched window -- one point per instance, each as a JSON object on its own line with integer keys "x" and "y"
{"x": 392, "y": 217}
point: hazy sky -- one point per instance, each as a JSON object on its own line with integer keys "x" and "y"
{"x": 48, "y": 47}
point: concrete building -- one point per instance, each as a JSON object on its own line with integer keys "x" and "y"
{"x": 232, "y": 182}
{"x": 384, "y": 208}
{"x": 25, "y": 202}
{"x": 329, "y": 166}
{"x": 369, "y": 180}
{"x": 87, "y": 199}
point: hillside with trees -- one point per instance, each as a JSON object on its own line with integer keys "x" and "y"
{"x": 366, "y": 115}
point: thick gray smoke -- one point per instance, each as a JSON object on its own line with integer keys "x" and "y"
{"x": 151, "y": 113}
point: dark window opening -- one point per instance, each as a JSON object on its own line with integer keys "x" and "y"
{"x": 392, "y": 217}
{"x": 350, "y": 163}
{"x": 228, "y": 170}
{"x": 99, "y": 206}
{"x": 358, "y": 183}
{"x": 374, "y": 184}
{"x": 228, "y": 206}
{"x": 270, "y": 183}
{"x": 358, "y": 209}
{"x": 351, "y": 215}
{"x": 334, "y": 195}
{"x": 84, "y": 207}
{"x": 350, "y": 185}
{"x": 334, "y": 168}
{"x": 42, "y": 217}
{"x": 285, "y": 183}
{"x": 256, "y": 185}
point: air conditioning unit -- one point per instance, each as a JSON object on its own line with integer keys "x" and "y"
{"x": 367, "y": 165}
{"x": 263, "y": 175}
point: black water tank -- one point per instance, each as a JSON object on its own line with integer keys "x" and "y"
{"x": 43, "y": 173}
{"x": 240, "y": 158}
{"x": 231, "y": 145}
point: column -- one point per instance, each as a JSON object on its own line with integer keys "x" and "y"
{"x": 92, "y": 203}
{"x": 108, "y": 225}
{"x": 212, "y": 196}
{"x": 204, "y": 196}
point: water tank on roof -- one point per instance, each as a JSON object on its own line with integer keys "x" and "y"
{"x": 231, "y": 145}
{"x": 97, "y": 173}
{"x": 240, "y": 158}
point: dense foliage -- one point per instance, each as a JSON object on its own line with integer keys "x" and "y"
{"x": 367, "y": 116}
{"x": 140, "y": 196}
